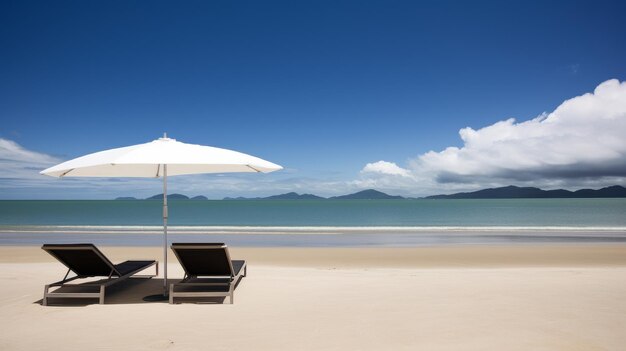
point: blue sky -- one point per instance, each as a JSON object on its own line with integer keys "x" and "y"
{"x": 324, "y": 88}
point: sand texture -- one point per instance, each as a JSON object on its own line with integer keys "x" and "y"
{"x": 455, "y": 298}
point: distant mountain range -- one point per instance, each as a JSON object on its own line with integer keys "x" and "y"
{"x": 507, "y": 192}
{"x": 287, "y": 196}
{"x": 369, "y": 194}
{"x": 514, "y": 192}
{"x": 169, "y": 197}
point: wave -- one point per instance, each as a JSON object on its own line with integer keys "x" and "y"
{"x": 295, "y": 230}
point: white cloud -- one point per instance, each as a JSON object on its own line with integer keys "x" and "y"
{"x": 384, "y": 167}
{"x": 18, "y": 162}
{"x": 583, "y": 141}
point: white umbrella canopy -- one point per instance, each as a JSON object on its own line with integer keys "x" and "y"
{"x": 147, "y": 160}
{"x": 160, "y": 158}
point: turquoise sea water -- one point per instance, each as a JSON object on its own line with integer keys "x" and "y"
{"x": 316, "y": 222}
{"x": 460, "y": 213}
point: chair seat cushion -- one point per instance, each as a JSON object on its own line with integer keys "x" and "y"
{"x": 131, "y": 266}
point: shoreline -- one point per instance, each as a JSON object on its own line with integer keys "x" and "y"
{"x": 272, "y": 229}
{"x": 304, "y": 237}
{"x": 481, "y": 256}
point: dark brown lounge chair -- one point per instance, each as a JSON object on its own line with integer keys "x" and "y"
{"x": 209, "y": 271}
{"x": 86, "y": 261}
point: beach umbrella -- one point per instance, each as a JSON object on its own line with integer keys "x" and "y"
{"x": 160, "y": 158}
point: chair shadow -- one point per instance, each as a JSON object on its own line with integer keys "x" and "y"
{"x": 130, "y": 291}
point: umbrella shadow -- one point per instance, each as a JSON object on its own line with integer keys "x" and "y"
{"x": 128, "y": 292}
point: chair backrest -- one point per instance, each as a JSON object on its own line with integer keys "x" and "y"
{"x": 83, "y": 259}
{"x": 204, "y": 259}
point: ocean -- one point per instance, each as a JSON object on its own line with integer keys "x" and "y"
{"x": 316, "y": 223}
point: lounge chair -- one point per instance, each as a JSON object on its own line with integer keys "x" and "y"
{"x": 86, "y": 261}
{"x": 209, "y": 271}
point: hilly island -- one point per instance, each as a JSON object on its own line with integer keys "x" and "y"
{"x": 507, "y": 192}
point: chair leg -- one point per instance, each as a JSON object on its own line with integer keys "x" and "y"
{"x": 171, "y": 294}
{"x": 102, "y": 295}
{"x": 45, "y": 295}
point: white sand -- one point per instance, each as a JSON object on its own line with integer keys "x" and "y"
{"x": 539, "y": 298}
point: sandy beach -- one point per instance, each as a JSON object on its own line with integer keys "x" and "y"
{"x": 439, "y": 298}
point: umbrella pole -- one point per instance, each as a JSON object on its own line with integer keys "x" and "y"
{"x": 164, "y": 230}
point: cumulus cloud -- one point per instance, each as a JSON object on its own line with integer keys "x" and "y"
{"x": 384, "y": 167}
{"x": 582, "y": 140}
